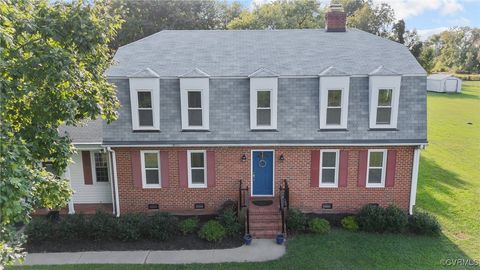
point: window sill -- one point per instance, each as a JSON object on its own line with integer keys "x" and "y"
{"x": 383, "y": 129}
{"x": 151, "y": 187}
{"x": 332, "y": 129}
{"x": 196, "y": 187}
{"x": 195, "y": 130}
{"x": 328, "y": 187}
{"x": 146, "y": 131}
{"x": 264, "y": 130}
{"x": 374, "y": 186}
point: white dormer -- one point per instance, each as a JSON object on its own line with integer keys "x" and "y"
{"x": 384, "y": 89}
{"x": 333, "y": 95}
{"x": 194, "y": 98}
{"x": 263, "y": 99}
{"x": 145, "y": 100}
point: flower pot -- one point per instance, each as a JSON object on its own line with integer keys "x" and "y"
{"x": 280, "y": 238}
{"x": 248, "y": 239}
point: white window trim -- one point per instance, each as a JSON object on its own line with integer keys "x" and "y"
{"x": 94, "y": 169}
{"x": 384, "y": 82}
{"x": 384, "y": 168}
{"x": 337, "y": 160}
{"x": 189, "y": 157}
{"x": 263, "y": 84}
{"x": 151, "y": 85}
{"x": 144, "y": 177}
{"x": 201, "y": 85}
{"x": 334, "y": 83}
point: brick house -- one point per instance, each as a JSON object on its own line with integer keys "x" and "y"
{"x": 339, "y": 113}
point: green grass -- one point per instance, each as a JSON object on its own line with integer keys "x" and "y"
{"x": 449, "y": 181}
{"x": 449, "y": 187}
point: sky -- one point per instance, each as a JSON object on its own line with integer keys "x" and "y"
{"x": 427, "y": 16}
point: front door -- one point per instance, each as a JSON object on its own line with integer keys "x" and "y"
{"x": 262, "y": 173}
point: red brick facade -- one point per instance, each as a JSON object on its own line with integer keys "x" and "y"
{"x": 230, "y": 169}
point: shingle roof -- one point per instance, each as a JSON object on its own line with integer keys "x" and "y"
{"x": 195, "y": 73}
{"x": 440, "y": 76}
{"x": 144, "y": 73}
{"x": 263, "y": 73}
{"x": 298, "y": 52}
{"x": 383, "y": 71}
{"x": 90, "y": 132}
{"x": 332, "y": 71}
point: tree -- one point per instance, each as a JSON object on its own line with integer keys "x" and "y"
{"x": 427, "y": 58}
{"x": 398, "y": 32}
{"x": 281, "y": 14}
{"x": 375, "y": 19}
{"x": 53, "y": 58}
{"x": 413, "y": 43}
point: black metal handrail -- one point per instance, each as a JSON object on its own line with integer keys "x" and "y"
{"x": 242, "y": 203}
{"x": 284, "y": 202}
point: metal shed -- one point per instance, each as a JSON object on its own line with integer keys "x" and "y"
{"x": 446, "y": 83}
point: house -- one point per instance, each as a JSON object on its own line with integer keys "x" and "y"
{"x": 442, "y": 82}
{"x": 338, "y": 113}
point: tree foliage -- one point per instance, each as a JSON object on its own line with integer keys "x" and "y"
{"x": 52, "y": 61}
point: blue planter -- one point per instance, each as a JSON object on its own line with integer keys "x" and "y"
{"x": 280, "y": 238}
{"x": 248, "y": 239}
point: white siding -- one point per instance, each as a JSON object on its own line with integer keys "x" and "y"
{"x": 96, "y": 193}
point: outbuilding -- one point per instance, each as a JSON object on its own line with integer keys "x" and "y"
{"x": 442, "y": 82}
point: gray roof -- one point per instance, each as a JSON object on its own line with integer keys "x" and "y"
{"x": 195, "y": 73}
{"x": 144, "y": 73}
{"x": 90, "y": 132}
{"x": 440, "y": 76}
{"x": 296, "y": 52}
{"x": 263, "y": 73}
{"x": 332, "y": 71}
{"x": 383, "y": 71}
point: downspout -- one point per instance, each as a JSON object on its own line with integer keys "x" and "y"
{"x": 413, "y": 190}
{"x": 71, "y": 207}
{"x": 114, "y": 181}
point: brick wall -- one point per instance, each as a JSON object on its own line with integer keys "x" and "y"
{"x": 230, "y": 169}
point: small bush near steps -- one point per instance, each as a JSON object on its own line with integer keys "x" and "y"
{"x": 318, "y": 225}
{"x": 229, "y": 220}
{"x": 212, "y": 231}
{"x": 349, "y": 223}
{"x": 296, "y": 220}
{"x": 189, "y": 225}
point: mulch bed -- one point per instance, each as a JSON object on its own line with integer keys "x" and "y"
{"x": 178, "y": 243}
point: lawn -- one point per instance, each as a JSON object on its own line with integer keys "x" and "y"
{"x": 449, "y": 187}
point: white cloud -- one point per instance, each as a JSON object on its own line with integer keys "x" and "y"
{"x": 408, "y": 8}
{"x": 426, "y": 33}
{"x": 462, "y": 21}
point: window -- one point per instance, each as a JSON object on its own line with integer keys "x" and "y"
{"x": 195, "y": 108}
{"x": 329, "y": 168}
{"x": 334, "y": 93}
{"x": 100, "y": 166}
{"x": 145, "y": 109}
{"x": 384, "y": 107}
{"x": 376, "y": 168}
{"x": 197, "y": 176}
{"x": 150, "y": 169}
{"x": 264, "y": 111}
{"x": 194, "y": 99}
{"x": 263, "y": 103}
{"x": 145, "y": 103}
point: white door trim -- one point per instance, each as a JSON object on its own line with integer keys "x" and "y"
{"x": 273, "y": 172}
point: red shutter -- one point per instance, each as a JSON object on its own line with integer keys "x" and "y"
{"x": 182, "y": 168}
{"x": 136, "y": 169}
{"x": 210, "y": 168}
{"x": 391, "y": 163}
{"x": 362, "y": 168}
{"x": 343, "y": 174}
{"x": 87, "y": 168}
{"x": 315, "y": 163}
{"x": 164, "y": 168}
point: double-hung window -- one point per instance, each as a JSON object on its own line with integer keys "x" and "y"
{"x": 195, "y": 109}
{"x": 264, "y": 109}
{"x": 334, "y": 93}
{"x": 376, "y": 168}
{"x": 384, "y": 107}
{"x": 100, "y": 166}
{"x": 329, "y": 160}
{"x": 194, "y": 99}
{"x": 263, "y": 103}
{"x": 145, "y": 103}
{"x": 145, "y": 108}
{"x": 197, "y": 169}
{"x": 150, "y": 161}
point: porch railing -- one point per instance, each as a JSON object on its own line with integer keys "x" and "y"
{"x": 243, "y": 203}
{"x": 284, "y": 202}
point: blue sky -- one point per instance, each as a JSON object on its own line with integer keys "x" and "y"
{"x": 427, "y": 16}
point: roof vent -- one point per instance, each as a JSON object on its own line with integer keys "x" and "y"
{"x": 335, "y": 18}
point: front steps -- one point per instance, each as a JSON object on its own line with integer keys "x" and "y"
{"x": 265, "y": 221}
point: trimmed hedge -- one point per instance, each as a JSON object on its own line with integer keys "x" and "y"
{"x": 318, "y": 225}
{"x": 189, "y": 225}
{"x": 396, "y": 219}
{"x": 162, "y": 226}
{"x": 371, "y": 218}
{"x": 349, "y": 223}
{"x": 424, "y": 223}
{"x": 296, "y": 220}
{"x": 212, "y": 231}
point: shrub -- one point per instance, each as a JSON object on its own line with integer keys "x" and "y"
{"x": 39, "y": 229}
{"x": 228, "y": 218}
{"x": 188, "y": 225}
{"x": 318, "y": 225}
{"x": 396, "y": 219}
{"x": 101, "y": 226}
{"x": 349, "y": 223}
{"x": 212, "y": 231}
{"x": 72, "y": 227}
{"x": 423, "y": 223}
{"x": 228, "y": 205}
{"x": 296, "y": 220}
{"x": 372, "y": 218}
{"x": 162, "y": 226}
{"x": 129, "y": 227}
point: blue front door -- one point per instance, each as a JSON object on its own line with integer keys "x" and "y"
{"x": 262, "y": 173}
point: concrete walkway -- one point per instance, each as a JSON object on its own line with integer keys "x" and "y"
{"x": 260, "y": 250}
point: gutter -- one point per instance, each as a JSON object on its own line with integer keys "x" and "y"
{"x": 114, "y": 182}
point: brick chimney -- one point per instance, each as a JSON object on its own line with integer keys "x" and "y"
{"x": 335, "y": 18}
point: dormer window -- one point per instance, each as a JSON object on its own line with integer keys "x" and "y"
{"x": 194, "y": 95}
{"x": 263, "y": 100}
{"x": 334, "y": 92}
{"x": 384, "y": 98}
{"x": 145, "y": 100}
